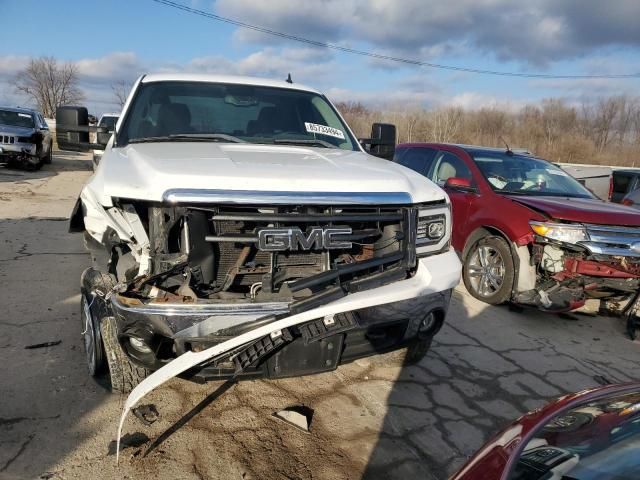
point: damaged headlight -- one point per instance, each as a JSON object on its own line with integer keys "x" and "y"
{"x": 567, "y": 233}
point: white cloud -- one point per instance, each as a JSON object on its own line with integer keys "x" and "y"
{"x": 534, "y": 32}
{"x": 113, "y": 67}
{"x": 305, "y": 64}
{"x": 96, "y": 75}
{"x": 475, "y": 100}
{"x": 586, "y": 90}
{"x": 10, "y": 65}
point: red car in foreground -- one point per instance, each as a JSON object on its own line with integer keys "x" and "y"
{"x": 591, "y": 435}
{"x": 528, "y": 232}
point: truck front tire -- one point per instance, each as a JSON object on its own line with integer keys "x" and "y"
{"x": 123, "y": 374}
{"x": 417, "y": 350}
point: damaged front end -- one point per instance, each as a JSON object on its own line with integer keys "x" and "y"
{"x": 193, "y": 275}
{"x": 576, "y": 262}
{"x": 21, "y": 151}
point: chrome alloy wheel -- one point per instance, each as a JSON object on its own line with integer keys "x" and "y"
{"x": 486, "y": 271}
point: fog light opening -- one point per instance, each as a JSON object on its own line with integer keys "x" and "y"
{"x": 430, "y": 324}
{"x": 139, "y": 345}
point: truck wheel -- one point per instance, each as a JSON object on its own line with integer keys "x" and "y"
{"x": 124, "y": 374}
{"x": 488, "y": 270}
{"x": 93, "y": 287}
{"x": 92, "y": 338}
{"x": 417, "y": 350}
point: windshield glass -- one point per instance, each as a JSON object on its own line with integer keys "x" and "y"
{"x": 524, "y": 175}
{"x": 228, "y": 112}
{"x": 16, "y": 119}
{"x": 595, "y": 441}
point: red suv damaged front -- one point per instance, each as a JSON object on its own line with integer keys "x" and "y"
{"x": 527, "y": 231}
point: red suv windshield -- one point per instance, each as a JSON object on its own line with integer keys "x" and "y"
{"x": 523, "y": 175}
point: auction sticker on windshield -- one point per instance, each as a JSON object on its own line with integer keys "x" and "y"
{"x": 324, "y": 130}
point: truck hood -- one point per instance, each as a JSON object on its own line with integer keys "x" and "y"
{"x": 582, "y": 210}
{"x": 147, "y": 171}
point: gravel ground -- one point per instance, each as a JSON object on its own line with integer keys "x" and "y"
{"x": 373, "y": 418}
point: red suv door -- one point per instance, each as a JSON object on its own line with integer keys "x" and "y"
{"x": 448, "y": 165}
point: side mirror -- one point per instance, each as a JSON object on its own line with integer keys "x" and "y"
{"x": 72, "y": 130}
{"x": 382, "y": 142}
{"x": 459, "y": 184}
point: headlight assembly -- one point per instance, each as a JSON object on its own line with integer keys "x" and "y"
{"x": 567, "y": 233}
{"x": 433, "y": 231}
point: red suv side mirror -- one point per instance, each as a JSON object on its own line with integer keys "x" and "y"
{"x": 460, "y": 184}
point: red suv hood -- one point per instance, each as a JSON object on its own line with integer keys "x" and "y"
{"x": 582, "y": 210}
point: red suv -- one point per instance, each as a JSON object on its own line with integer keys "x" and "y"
{"x": 530, "y": 233}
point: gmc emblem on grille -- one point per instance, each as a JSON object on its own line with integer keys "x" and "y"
{"x": 315, "y": 238}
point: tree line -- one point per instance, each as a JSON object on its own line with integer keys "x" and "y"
{"x": 605, "y": 131}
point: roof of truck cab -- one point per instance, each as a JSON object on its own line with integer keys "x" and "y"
{"x": 239, "y": 80}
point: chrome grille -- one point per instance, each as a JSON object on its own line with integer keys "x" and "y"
{"x": 7, "y": 139}
{"x": 613, "y": 241}
{"x": 378, "y": 236}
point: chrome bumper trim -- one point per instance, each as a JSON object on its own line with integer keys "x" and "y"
{"x": 204, "y": 309}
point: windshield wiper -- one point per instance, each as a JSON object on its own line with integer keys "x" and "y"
{"x": 304, "y": 141}
{"x": 190, "y": 137}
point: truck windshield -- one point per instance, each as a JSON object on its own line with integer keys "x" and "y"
{"x": 16, "y": 119}
{"x": 199, "y": 111}
{"x": 523, "y": 175}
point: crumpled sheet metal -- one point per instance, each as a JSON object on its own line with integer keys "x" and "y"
{"x": 423, "y": 283}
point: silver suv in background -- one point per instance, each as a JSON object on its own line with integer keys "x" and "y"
{"x": 108, "y": 120}
{"x": 25, "y": 140}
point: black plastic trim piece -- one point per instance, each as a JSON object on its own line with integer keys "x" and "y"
{"x": 319, "y": 329}
{"x": 251, "y": 355}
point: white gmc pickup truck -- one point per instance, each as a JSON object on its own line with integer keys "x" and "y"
{"x": 238, "y": 228}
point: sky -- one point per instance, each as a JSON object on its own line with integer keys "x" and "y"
{"x": 118, "y": 40}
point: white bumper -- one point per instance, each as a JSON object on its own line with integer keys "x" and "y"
{"x": 434, "y": 274}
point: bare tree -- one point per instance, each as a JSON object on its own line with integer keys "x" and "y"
{"x": 602, "y": 131}
{"x": 121, "y": 91}
{"x": 558, "y": 120}
{"x": 445, "y": 123}
{"x": 607, "y": 109}
{"x": 49, "y": 84}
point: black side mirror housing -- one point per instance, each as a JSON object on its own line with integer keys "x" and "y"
{"x": 72, "y": 130}
{"x": 382, "y": 142}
